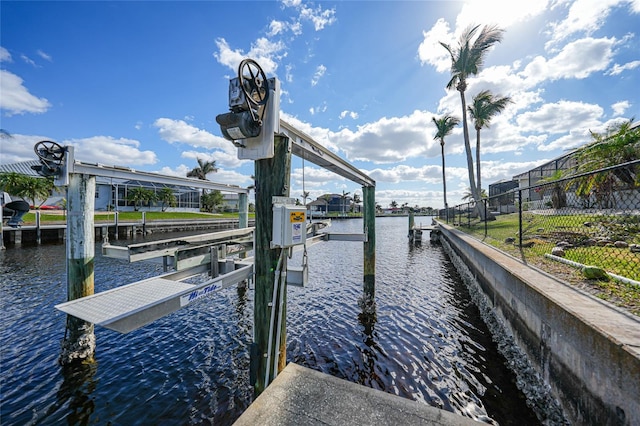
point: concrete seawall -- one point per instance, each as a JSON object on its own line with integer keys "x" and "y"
{"x": 585, "y": 349}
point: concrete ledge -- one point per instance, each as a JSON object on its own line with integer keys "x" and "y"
{"x": 301, "y": 396}
{"x": 586, "y": 349}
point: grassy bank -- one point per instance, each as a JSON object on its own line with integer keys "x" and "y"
{"x": 540, "y": 233}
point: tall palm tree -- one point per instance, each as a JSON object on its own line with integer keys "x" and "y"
{"x": 305, "y": 195}
{"x": 466, "y": 60}
{"x": 204, "y": 168}
{"x": 343, "y": 197}
{"x": 485, "y": 105}
{"x": 445, "y": 126}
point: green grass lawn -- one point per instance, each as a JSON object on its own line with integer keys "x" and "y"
{"x": 545, "y": 231}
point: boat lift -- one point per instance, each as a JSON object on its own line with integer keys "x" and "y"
{"x": 132, "y": 306}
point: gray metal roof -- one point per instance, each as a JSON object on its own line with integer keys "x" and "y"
{"x": 24, "y": 168}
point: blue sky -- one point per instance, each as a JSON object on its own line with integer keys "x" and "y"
{"x": 139, "y": 84}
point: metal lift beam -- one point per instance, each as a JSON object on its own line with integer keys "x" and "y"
{"x": 169, "y": 247}
{"x": 118, "y": 172}
{"x": 305, "y": 147}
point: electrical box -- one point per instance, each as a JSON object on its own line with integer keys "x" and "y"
{"x": 289, "y": 225}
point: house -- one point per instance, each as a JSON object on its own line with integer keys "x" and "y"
{"x": 330, "y": 203}
{"x": 111, "y": 194}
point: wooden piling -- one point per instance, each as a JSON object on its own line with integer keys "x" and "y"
{"x": 79, "y": 341}
{"x": 412, "y": 224}
{"x": 369, "y": 287}
{"x": 243, "y": 209}
{"x": 272, "y": 179}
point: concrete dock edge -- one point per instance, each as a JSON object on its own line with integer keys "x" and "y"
{"x": 301, "y": 396}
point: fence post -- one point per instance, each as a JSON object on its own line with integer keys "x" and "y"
{"x": 485, "y": 217}
{"x": 520, "y": 218}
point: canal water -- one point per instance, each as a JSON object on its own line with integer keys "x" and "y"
{"x": 426, "y": 341}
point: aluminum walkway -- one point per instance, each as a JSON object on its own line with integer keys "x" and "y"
{"x": 132, "y": 306}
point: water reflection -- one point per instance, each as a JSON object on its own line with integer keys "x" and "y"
{"x": 424, "y": 341}
{"x": 75, "y": 392}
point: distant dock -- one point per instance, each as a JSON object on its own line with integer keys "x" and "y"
{"x": 32, "y": 234}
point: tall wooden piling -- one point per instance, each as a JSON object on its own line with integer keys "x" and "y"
{"x": 272, "y": 179}
{"x": 243, "y": 209}
{"x": 369, "y": 286}
{"x": 412, "y": 224}
{"x": 79, "y": 341}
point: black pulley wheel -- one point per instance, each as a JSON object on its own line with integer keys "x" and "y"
{"x": 253, "y": 82}
{"x": 49, "y": 151}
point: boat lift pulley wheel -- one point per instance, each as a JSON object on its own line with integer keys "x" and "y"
{"x": 49, "y": 152}
{"x": 253, "y": 82}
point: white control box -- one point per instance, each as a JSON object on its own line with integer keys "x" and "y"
{"x": 289, "y": 225}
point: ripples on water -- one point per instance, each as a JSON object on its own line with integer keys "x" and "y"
{"x": 426, "y": 341}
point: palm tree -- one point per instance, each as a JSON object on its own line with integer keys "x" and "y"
{"x": 485, "y": 105}
{"x": 445, "y": 126}
{"x": 343, "y": 197}
{"x": 356, "y": 199}
{"x": 466, "y": 60}
{"x": 305, "y": 195}
{"x": 204, "y": 168}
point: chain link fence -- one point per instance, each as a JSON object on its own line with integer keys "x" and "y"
{"x": 587, "y": 220}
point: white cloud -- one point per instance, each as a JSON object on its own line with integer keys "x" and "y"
{"x": 111, "y": 151}
{"x": 431, "y": 52}
{"x": 320, "y": 70}
{"x": 404, "y": 173}
{"x": 617, "y": 69}
{"x": 267, "y": 53}
{"x": 620, "y": 107}
{"x": 389, "y": 140}
{"x": 288, "y": 73}
{"x": 224, "y": 176}
{"x": 18, "y": 148}
{"x": 314, "y": 177}
{"x": 504, "y": 13}
{"x": 16, "y": 98}
{"x": 319, "y": 17}
{"x": 98, "y": 149}
{"x": 584, "y": 16}
{"x": 5, "y": 56}
{"x": 179, "y": 131}
{"x": 560, "y": 117}
{"x": 28, "y": 60}
{"x": 276, "y": 27}
{"x": 44, "y": 55}
{"x": 577, "y": 59}
{"x": 351, "y": 114}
